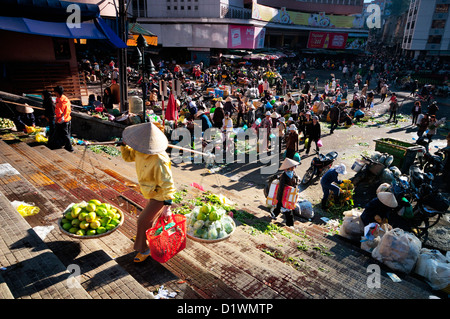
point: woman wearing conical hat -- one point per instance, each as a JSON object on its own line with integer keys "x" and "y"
{"x": 379, "y": 209}
{"x": 145, "y": 144}
{"x": 25, "y": 117}
{"x": 288, "y": 178}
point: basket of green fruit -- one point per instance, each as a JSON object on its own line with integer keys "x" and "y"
{"x": 92, "y": 219}
{"x": 209, "y": 224}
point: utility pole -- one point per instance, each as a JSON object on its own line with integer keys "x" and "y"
{"x": 122, "y": 53}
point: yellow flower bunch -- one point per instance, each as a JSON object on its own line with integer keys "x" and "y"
{"x": 343, "y": 202}
{"x": 346, "y": 185}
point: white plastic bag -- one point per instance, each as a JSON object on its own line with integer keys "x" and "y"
{"x": 304, "y": 209}
{"x": 435, "y": 267}
{"x": 352, "y": 225}
{"x": 371, "y": 239}
{"x": 398, "y": 250}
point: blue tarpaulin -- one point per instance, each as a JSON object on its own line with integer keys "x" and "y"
{"x": 95, "y": 29}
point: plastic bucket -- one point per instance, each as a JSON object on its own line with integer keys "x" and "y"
{"x": 357, "y": 165}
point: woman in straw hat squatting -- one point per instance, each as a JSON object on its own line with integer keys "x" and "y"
{"x": 145, "y": 144}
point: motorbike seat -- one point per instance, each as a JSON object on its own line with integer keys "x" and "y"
{"x": 331, "y": 155}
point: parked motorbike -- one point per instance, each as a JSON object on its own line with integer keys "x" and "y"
{"x": 436, "y": 163}
{"x": 426, "y": 205}
{"x": 319, "y": 165}
{"x": 369, "y": 170}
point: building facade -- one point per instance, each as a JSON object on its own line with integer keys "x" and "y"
{"x": 205, "y": 27}
{"x": 427, "y": 31}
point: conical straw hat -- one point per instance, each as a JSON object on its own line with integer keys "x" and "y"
{"x": 24, "y": 108}
{"x": 146, "y": 138}
{"x": 288, "y": 163}
{"x": 388, "y": 199}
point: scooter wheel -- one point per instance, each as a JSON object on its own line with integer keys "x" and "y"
{"x": 308, "y": 176}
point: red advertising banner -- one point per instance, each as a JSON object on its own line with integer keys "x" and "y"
{"x": 245, "y": 37}
{"x": 327, "y": 40}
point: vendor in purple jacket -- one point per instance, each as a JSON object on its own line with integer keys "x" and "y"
{"x": 329, "y": 181}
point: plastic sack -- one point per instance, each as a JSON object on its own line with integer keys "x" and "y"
{"x": 290, "y": 197}
{"x": 387, "y": 176}
{"x": 165, "y": 241}
{"x": 372, "y": 236}
{"x": 271, "y": 199}
{"x": 25, "y": 209}
{"x": 435, "y": 267}
{"x": 306, "y": 142}
{"x": 352, "y": 226}
{"x": 304, "y": 209}
{"x": 41, "y": 138}
{"x": 319, "y": 143}
{"x": 398, "y": 250}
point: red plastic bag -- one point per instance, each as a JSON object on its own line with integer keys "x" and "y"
{"x": 167, "y": 238}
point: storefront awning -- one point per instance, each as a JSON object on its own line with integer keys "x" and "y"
{"x": 94, "y": 29}
{"x": 47, "y": 10}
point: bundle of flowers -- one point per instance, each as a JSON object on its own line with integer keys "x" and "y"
{"x": 344, "y": 202}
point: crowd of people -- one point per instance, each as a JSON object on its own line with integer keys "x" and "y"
{"x": 282, "y": 95}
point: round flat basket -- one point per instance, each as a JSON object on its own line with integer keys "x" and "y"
{"x": 210, "y": 241}
{"x": 109, "y": 232}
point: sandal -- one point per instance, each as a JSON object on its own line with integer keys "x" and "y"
{"x": 140, "y": 257}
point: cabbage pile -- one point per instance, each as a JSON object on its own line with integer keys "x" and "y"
{"x": 209, "y": 222}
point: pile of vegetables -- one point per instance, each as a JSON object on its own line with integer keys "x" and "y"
{"x": 110, "y": 150}
{"x": 209, "y": 222}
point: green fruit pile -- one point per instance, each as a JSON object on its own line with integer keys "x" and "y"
{"x": 209, "y": 222}
{"x": 6, "y": 123}
{"x": 91, "y": 218}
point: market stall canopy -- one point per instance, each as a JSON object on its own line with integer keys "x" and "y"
{"x": 97, "y": 29}
{"x": 47, "y": 10}
{"x": 49, "y": 18}
{"x": 135, "y": 29}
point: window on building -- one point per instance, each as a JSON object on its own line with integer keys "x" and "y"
{"x": 436, "y": 39}
{"x": 168, "y": 8}
{"x": 139, "y": 8}
{"x": 175, "y": 7}
{"x": 438, "y": 24}
{"x": 441, "y": 8}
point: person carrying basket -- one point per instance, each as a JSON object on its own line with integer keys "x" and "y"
{"x": 145, "y": 144}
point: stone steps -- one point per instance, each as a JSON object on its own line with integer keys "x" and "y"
{"x": 305, "y": 263}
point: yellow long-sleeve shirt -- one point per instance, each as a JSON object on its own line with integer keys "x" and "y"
{"x": 153, "y": 172}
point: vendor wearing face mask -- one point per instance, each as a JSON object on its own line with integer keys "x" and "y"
{"x": 288, "y": 178}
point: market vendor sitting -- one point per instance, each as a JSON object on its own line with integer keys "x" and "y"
{"x": 25, "y": 117}
{"x": 329, "y": 181}
{"x": 379, "y": 209}
{"x": 288, "y": 178}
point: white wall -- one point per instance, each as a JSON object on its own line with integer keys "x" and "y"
{"x": 206, "y": 9}
{"x": 423, "y": 24}
{"x": 190, "y": 35}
